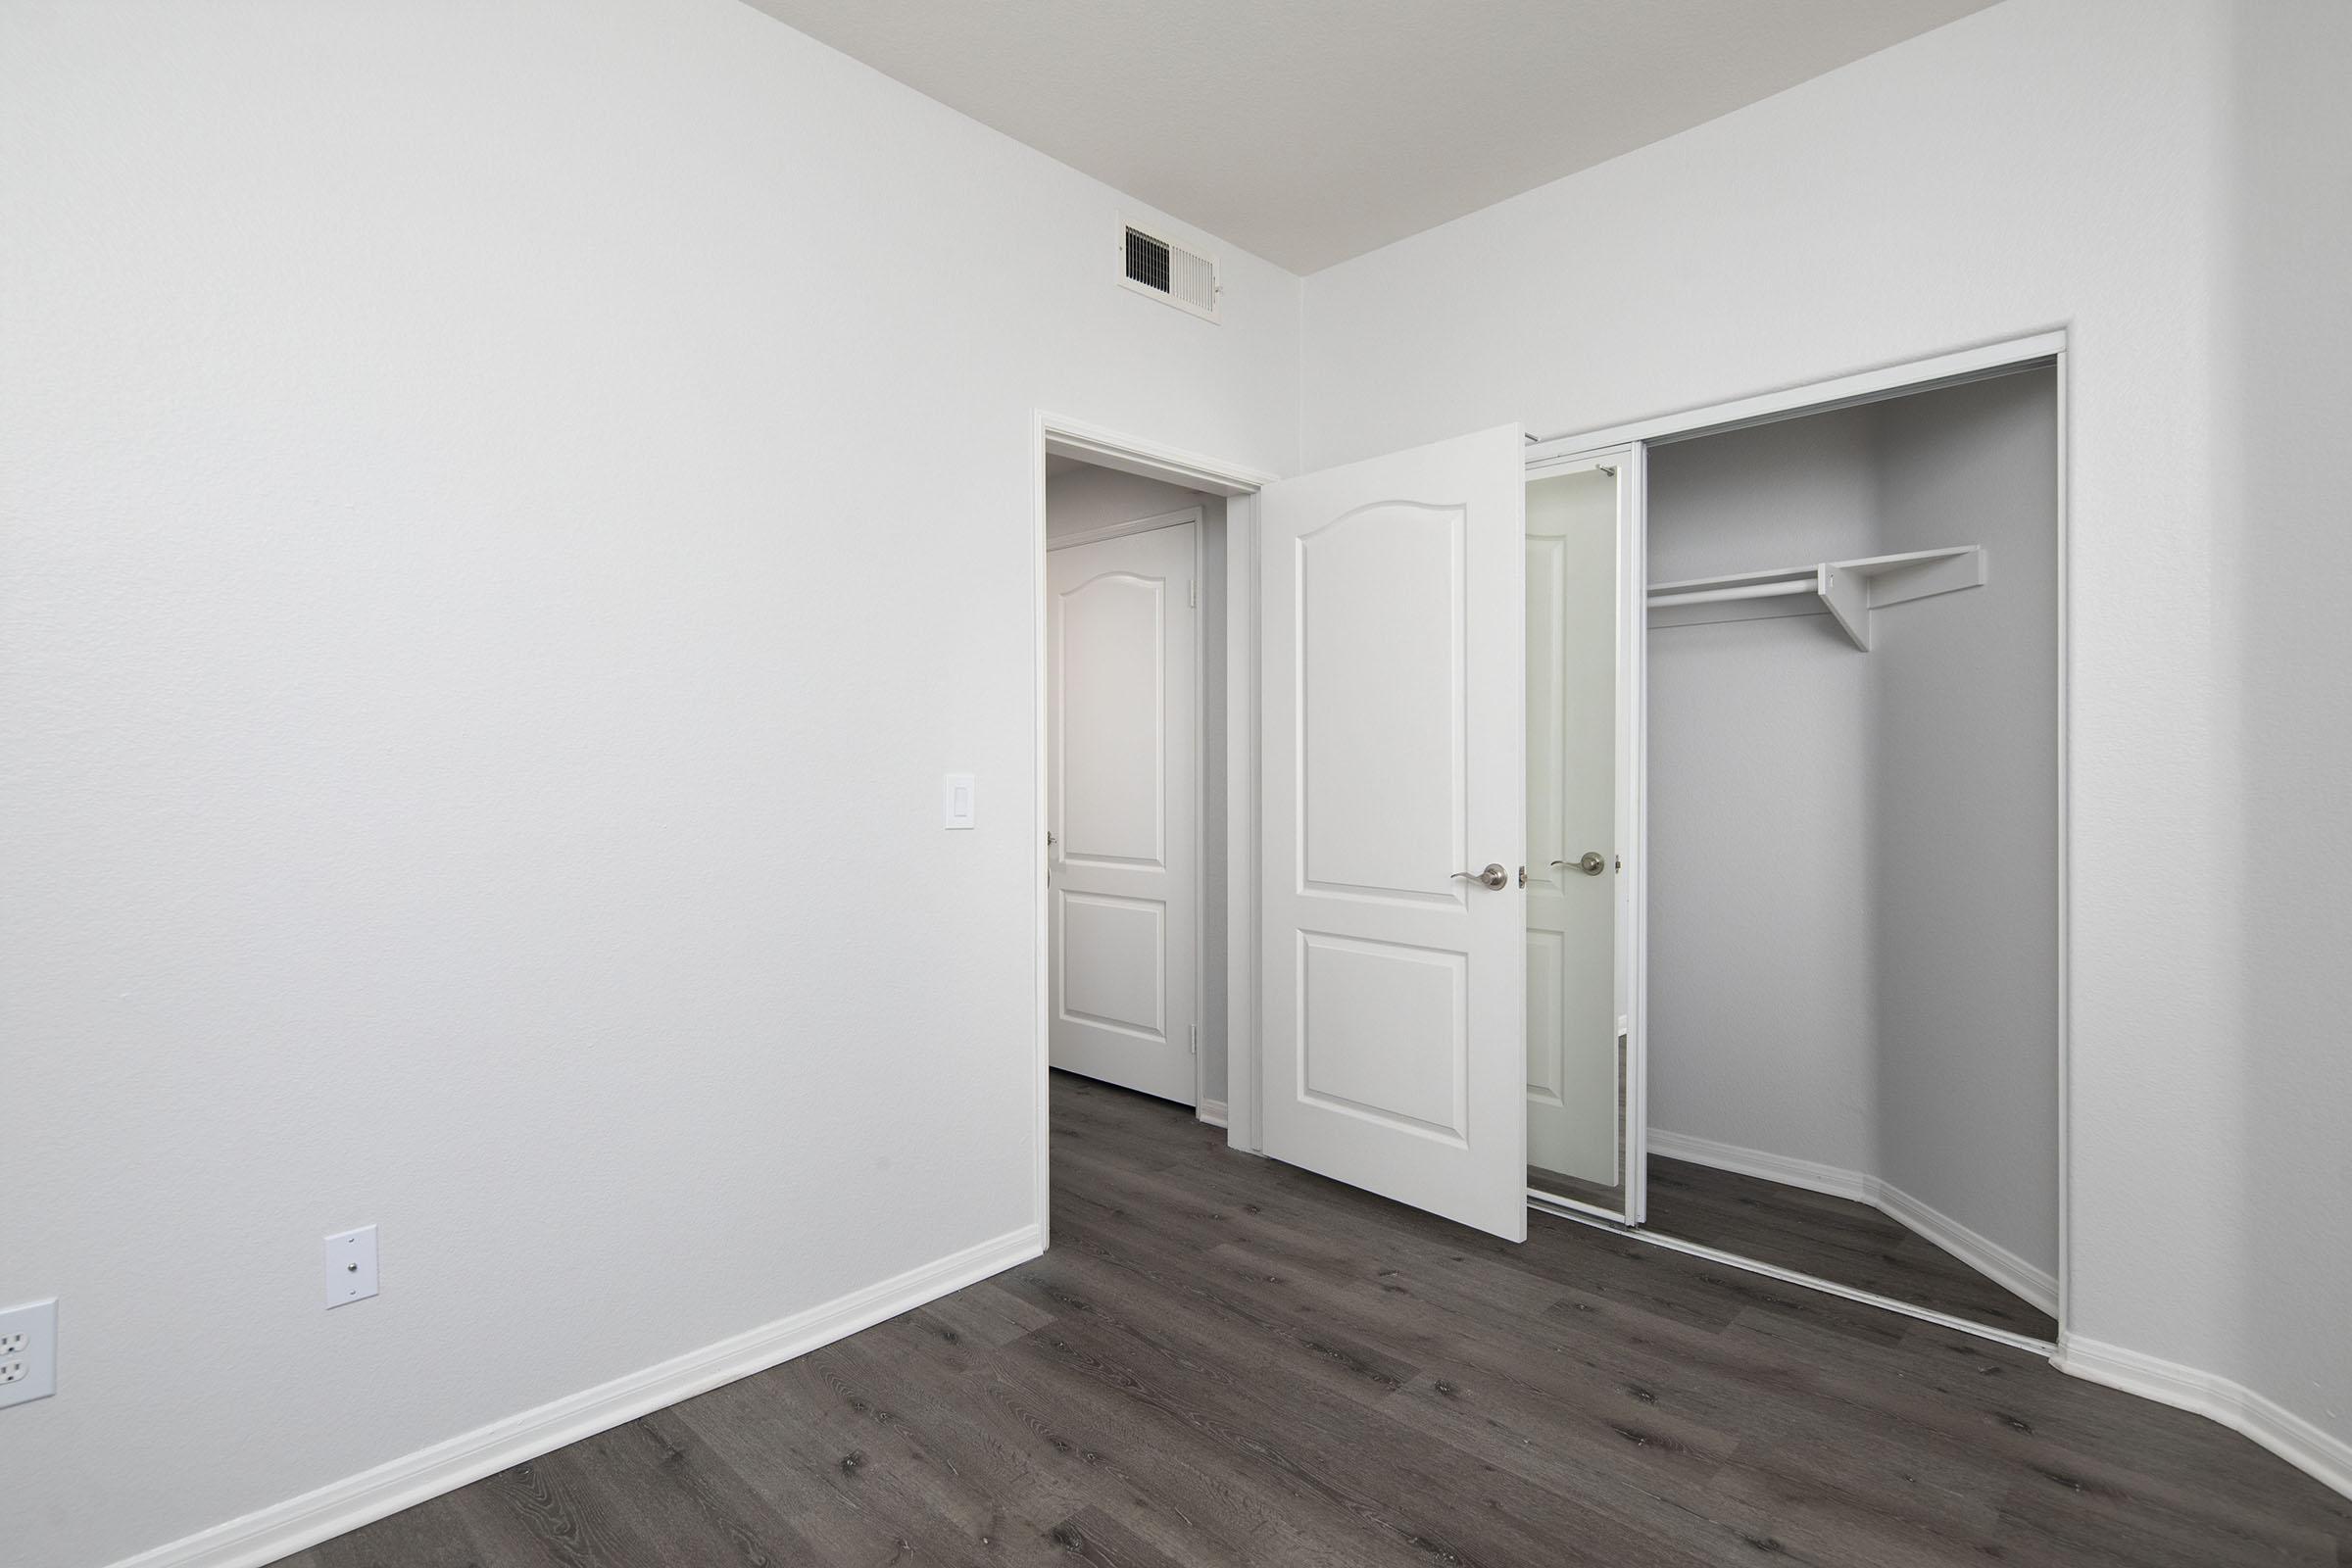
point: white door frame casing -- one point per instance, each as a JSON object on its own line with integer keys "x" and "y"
{"x": 1052, "y": 434}
{"x": 1121, "y": 530}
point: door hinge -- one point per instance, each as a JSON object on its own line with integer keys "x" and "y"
{"x": 1193, "y": 1038}
{"x": 1192, "y": 592}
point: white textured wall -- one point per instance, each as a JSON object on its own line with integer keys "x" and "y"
{"x": 509, "y": 510}
{"x": 2286, "y": 528}
{"x": 2043, "y": 162}
{"x": 1089, "y": 497}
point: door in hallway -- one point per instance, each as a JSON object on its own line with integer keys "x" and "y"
{"x": 1123, "y": 795}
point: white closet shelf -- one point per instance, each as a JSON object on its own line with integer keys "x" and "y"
{"x": 1845, "y": 591}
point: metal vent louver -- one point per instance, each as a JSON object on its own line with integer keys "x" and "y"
{"x": 1167, "y": 270}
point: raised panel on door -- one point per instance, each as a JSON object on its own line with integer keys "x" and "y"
{"x": 1393, "y": 1053}
{"x": 1113, "y": 683}
{"x": 1114, "y": 970}
{"x": 1121, "y": 788}
{"x": 1383, "y": 702}
{"x": 1353, "y": 991}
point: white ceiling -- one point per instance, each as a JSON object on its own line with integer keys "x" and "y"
{"x": 1313, "y": 131}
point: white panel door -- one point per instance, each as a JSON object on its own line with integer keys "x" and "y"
{"x": 1124, "y": 869}
{"x": 1574, "y": 1091}
{"x": 1393, "y": 731}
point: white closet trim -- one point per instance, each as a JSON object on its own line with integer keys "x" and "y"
{"x": 1811, "y": 1282}
{"x": 1818, "y": 397}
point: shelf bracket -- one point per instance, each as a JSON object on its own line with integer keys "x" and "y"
{"x": 1848, "y": 597}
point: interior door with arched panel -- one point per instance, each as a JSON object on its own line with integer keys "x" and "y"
{"x": 1123, "y": 873}
{"x": 1393, "y": 730}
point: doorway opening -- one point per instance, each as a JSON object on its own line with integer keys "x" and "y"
{"x": 1145, "y": 808}
{"x": 1135, "y": 833}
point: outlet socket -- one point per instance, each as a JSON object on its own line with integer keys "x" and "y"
{"x": 27, "y": 1353}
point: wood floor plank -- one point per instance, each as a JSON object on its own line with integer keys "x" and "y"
{"x": 1183, "y": 1495}
{"x": 851, "y": 1462}
{"x": 677, "y": 1493}
{"x": 556, "y": 1511}
{"x": 1224, "y": 1362}
{"x": 1325, "y": 1452}
{"x": 431, "y": 1535}
{"x": 983, "y": 1313}
{"x": 1093, "y": 1537}
{"x": 758, "y": 1428}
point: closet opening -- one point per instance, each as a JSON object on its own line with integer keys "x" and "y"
{"x": 1794, "y": 861}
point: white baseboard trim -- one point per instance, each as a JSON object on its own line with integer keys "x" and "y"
{"x": 1979, "y": 1253}
{"x": 1789, "y": 1171}
{"x": 1212, "y": 1111}
{"x": 1983, "y": 1253}
{"x": 288, "y": 1526}
{"x": 2320, "y": 1454}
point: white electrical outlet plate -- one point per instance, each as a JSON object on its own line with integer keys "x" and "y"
{"x": 27, "y": 1352}
{"x": 350, "y": 1266}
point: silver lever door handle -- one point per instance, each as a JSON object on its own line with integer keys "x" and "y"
{"x": 1493, "y": 877}
{"x": 1590, "y": 863}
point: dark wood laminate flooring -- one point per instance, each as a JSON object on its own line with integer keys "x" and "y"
{"x": 1556, "y": 1184}
{"x": 1830, "y": 1237}
{"x": 1224, "y": 1360}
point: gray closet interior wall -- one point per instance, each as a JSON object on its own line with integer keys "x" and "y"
{"x": 1965, "y": 747}
{"x": 1854, "y": 856}
{"x": 1762, "y": 1009}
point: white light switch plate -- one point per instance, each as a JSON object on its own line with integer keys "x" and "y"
{"x": 956, "y": 800}
{"x": 27, "y": 1353}
{"x": 350, "y": 1266}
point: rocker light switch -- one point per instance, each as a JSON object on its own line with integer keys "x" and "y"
{"x": 956, "y": 801}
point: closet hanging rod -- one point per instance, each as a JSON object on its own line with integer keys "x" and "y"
{"x": 1848, "y": 592}
{"x": 1752, "y": 590}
